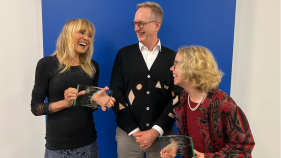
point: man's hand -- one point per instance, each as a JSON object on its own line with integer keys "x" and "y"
{"x": 146, "y": 138}
{"x": 137, "y": 136}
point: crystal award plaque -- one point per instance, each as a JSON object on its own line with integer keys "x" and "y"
{"x": 181, "y": 144}
{"x": 85, "y": 100}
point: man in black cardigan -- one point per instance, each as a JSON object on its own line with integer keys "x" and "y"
{"x": 143, "y": 87}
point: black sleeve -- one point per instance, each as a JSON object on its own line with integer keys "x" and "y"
{"x": 40, "y": 89}
{"x": 96, "y": 75}
{"x": 167, "y": 117}
{"x": 124, "y": 118}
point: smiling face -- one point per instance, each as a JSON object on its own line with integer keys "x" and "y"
{"x": 82, "y": 40}
{"x": 179, "y": 79}
{"x": 148, "y": 33}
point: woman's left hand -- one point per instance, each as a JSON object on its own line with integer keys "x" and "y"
{"x": 198, "y": 154}
{"x": 103, "y": 99}
{"x": 170, "y": 151}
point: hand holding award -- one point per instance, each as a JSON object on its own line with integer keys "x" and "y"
{"x": 176, "y": 145}
{"x": 102, "y": 99}
{"x": 94, "y": 97}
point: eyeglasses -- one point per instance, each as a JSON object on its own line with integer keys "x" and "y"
{"x": 176, "y": 62}
{"x": 141, "y": 24}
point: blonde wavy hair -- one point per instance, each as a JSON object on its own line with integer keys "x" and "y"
{"x": 199, "y": 67}
{"x": 65, "y": 46}
{"x": 157, "y": 11}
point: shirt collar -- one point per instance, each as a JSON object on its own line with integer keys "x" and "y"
{"x": 141, "y": 46}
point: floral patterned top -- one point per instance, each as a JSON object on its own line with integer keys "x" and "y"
{"x": 223, "y": 126}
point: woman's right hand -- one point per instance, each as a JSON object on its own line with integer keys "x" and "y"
{"x": 70, "y": 95}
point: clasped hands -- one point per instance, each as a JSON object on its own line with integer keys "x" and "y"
{"x": 146, "y": 138}
{"x": 99, "y": 97}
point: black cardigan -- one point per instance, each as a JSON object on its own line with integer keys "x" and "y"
{"x": 152, "y": 89}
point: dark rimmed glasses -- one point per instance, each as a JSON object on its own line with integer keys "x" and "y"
{"x": 140, "y": 23}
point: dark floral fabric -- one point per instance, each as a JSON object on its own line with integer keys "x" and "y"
{"x": 88, "y": 151}
{"x": 223, "y": 126}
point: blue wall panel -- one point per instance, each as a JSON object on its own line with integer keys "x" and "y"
{"x": 186, "y": 22}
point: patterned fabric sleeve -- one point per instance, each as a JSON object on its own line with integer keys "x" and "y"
{"x": 168, "y": 116}
{"x": 40, "y": 89}
{"x": 239, "y": 141}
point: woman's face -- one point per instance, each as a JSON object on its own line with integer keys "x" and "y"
{"x": 82, "y": 40}
{"x": 179, "y": 79}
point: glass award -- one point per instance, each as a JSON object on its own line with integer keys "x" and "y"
{"x": 85, "y": 100}
{"x": 181, "y": 144}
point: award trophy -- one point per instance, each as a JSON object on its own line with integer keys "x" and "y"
{"x": 182, "y": 145}
{"x": 85, "y": 100}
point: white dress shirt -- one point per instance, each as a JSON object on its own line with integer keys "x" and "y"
{"x": 150, "y": 56}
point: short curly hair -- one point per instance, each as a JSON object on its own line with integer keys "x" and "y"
{"x": 157, "y": 11}
{"x": 199, "y": 67}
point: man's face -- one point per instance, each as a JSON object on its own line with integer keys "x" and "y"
{"x": 148, "y": 33}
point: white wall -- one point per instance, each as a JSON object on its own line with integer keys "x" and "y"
{"x": 255, "y": 82}
{"x": 21, "y": 46}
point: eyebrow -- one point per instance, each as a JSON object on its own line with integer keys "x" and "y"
{"x": 84, "y": 30}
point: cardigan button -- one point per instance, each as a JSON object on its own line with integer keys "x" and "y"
{"x": 147, "y": 124}
{"x": 148, "y": 76}
{"x": 147, "y": 108}
{"x": 147, "y": 92}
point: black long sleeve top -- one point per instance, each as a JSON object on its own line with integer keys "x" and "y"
{"x": 71, "y": 127}
{"x": 144, "y": 98}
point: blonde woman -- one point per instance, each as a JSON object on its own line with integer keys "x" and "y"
{"x": 218, "y": 127}
{"x": 70, "y": 130}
